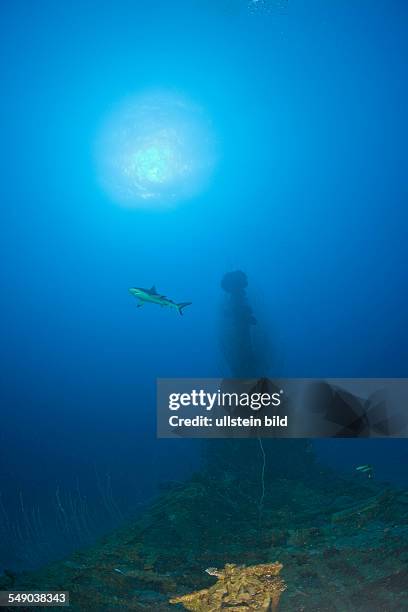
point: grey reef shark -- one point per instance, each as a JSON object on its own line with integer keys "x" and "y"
{"x": 150, "y": 296}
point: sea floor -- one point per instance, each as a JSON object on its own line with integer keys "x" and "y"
{"x": 343, "y": 545}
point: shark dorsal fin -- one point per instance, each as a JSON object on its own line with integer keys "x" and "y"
{"x": 153, "y": 290}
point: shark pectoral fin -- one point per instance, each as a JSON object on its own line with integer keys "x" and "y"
{"x": 140, "y": 305}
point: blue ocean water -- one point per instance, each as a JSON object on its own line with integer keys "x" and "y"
{"x": 307, "y": 102}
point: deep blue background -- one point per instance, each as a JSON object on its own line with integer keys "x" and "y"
{"x": 309, "y": 197}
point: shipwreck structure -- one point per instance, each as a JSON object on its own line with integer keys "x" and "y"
{"x": 259, "y": 461}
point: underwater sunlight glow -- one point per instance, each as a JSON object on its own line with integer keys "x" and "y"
{"x": 155, "y": 150}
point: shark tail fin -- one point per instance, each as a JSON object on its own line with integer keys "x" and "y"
{"x": 182, "y": 305}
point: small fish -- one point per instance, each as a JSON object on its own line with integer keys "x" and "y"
{"x": 151, "y": 296}
{"x": 213, "y": 571}
{"x": 365, "y": 469}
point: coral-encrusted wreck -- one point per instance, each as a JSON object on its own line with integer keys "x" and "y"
{"x": 238, "y": 588}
